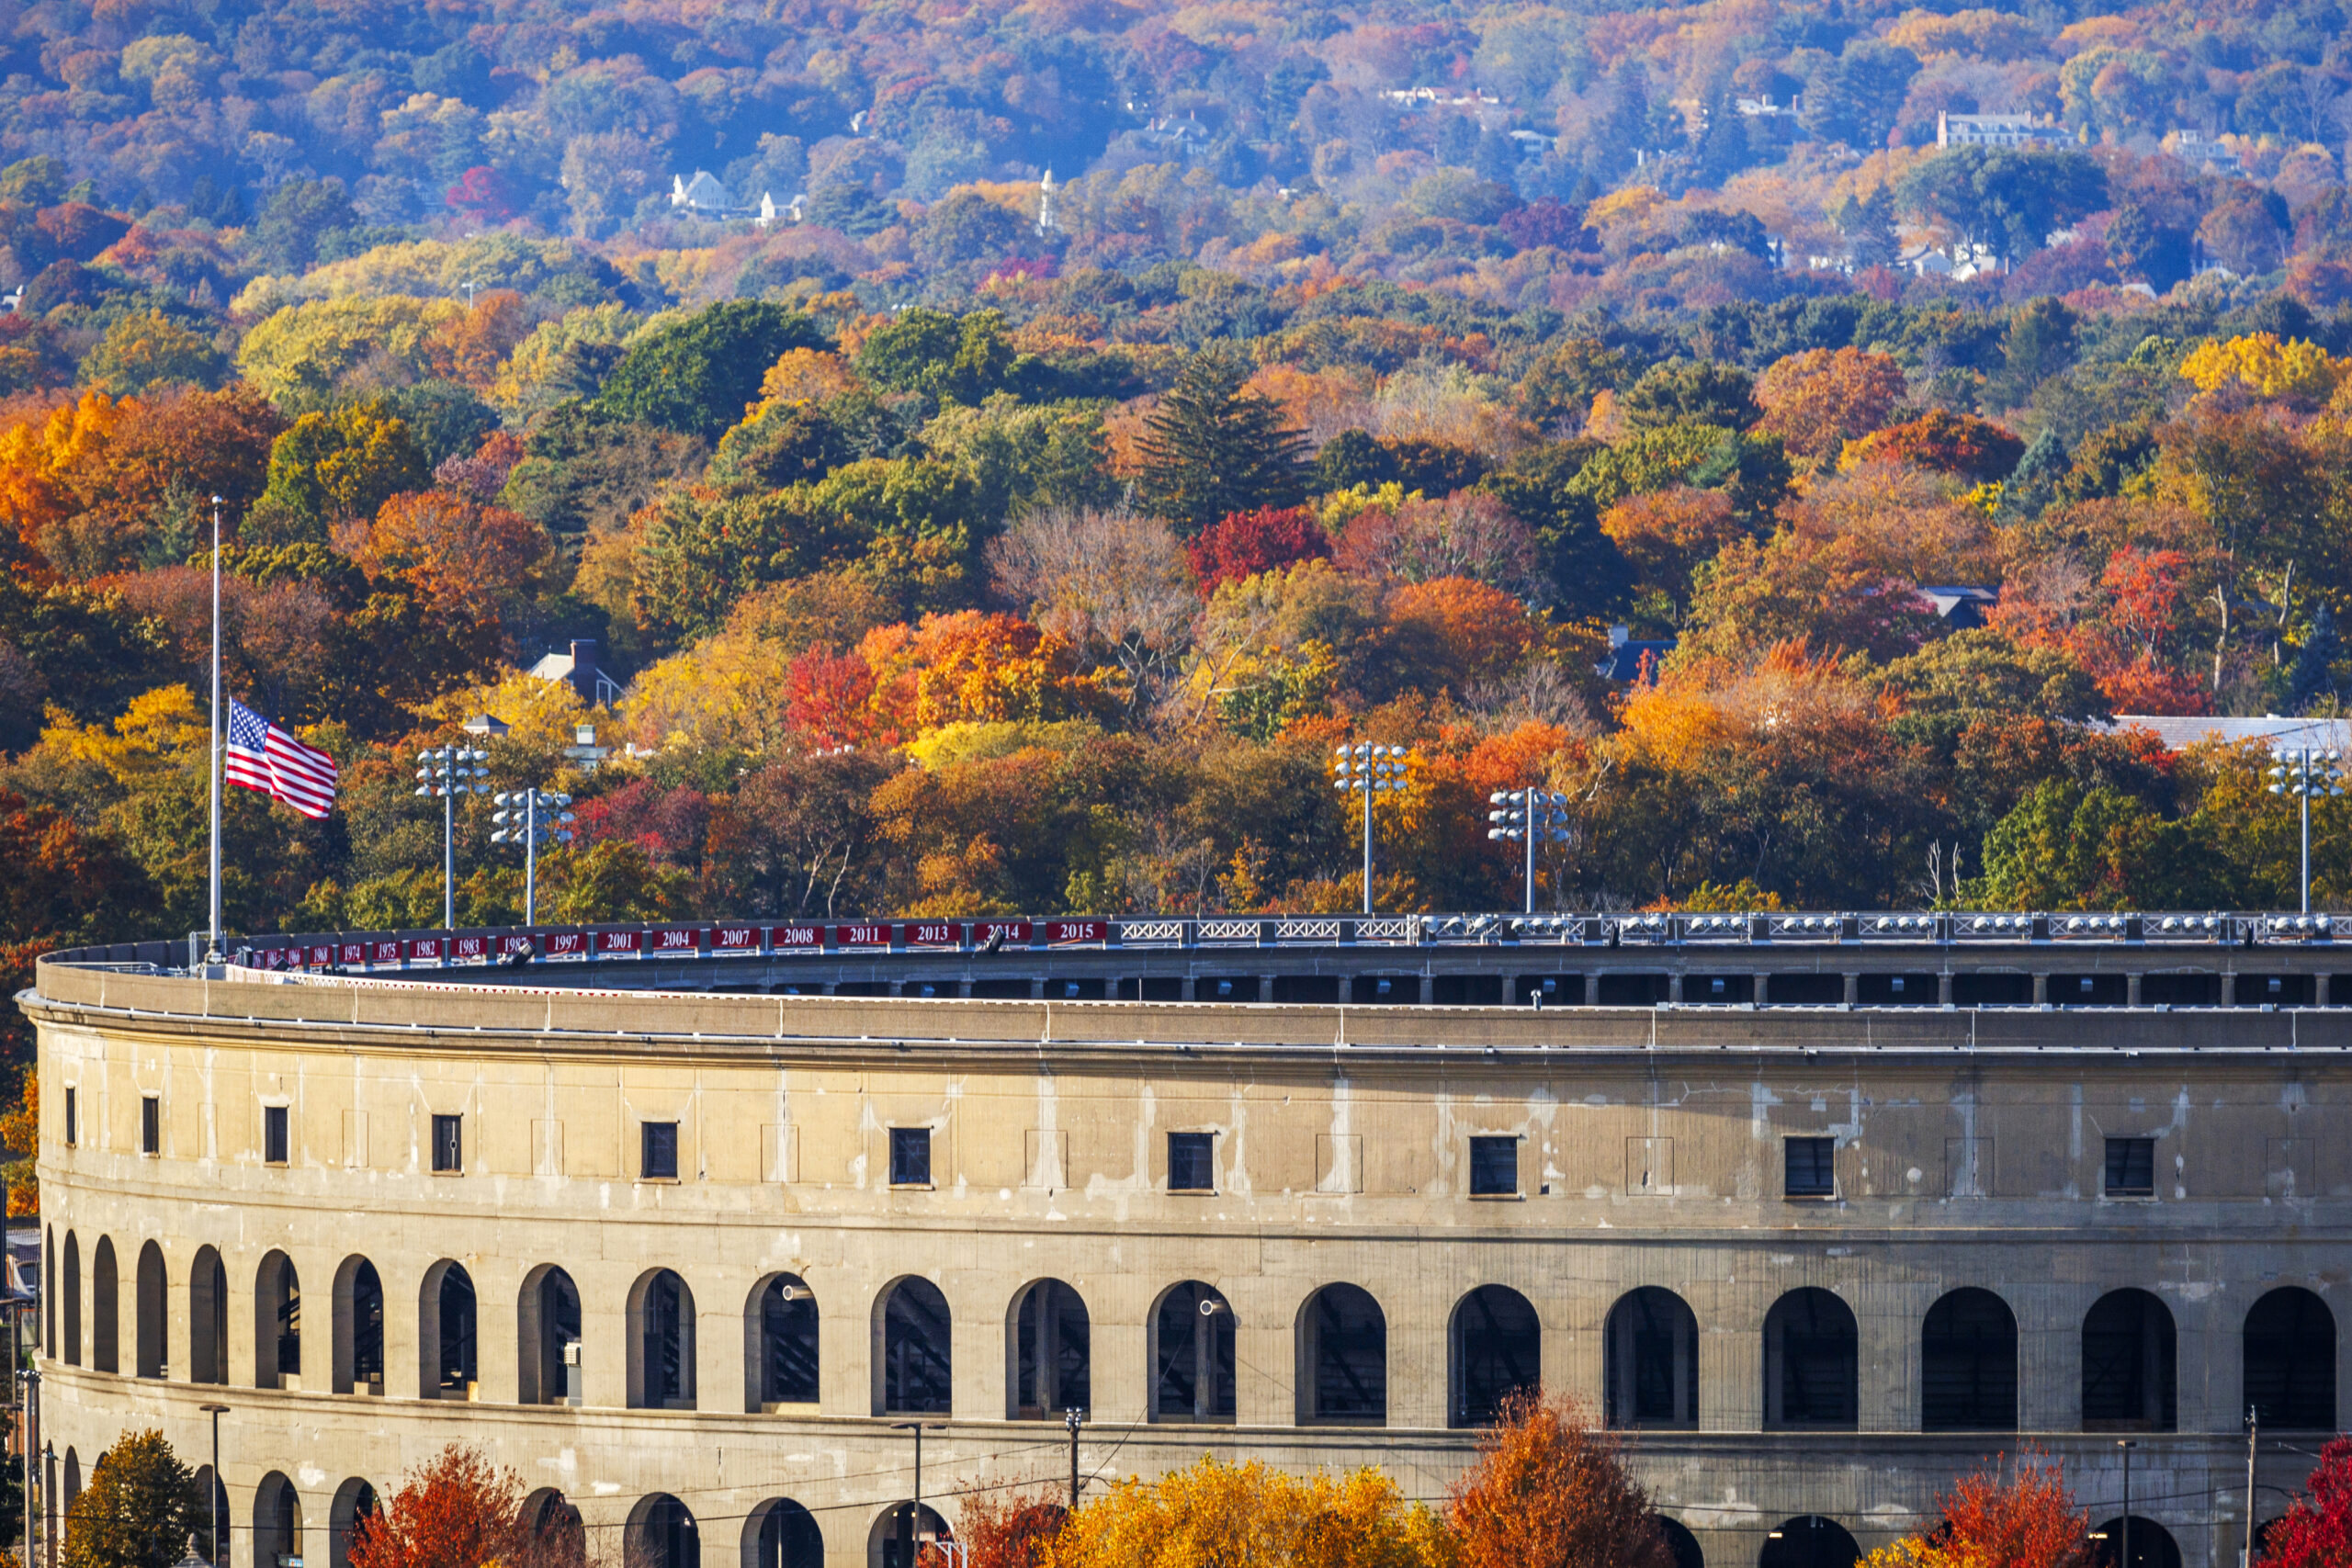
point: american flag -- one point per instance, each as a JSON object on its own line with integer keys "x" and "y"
{"x": 264, "y": 757}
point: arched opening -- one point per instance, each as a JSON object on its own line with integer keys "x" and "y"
{"x": 106, "y": 1303}
{"x": 913, "y": 1366}
{"x": 207, "y": 1318}
{"x": 2149, "y": 1546}
{"x": 445, "y": 1332}
{"x": 782, "y": 1534}
{"x": 1496, "y": 1350}
{"x": 661, "y": 1534}
{"x": 74, "y": 1484}
{"x": 782, "y": 1364}
{"x": 207, "y": 1485}
{"x": 1968, "y": 1364}
{"x": 547, "y": 1320}
{"x": 277, "y": 1323}
{"x": 277, "y": 1522}
{"x": 154, "y": 1315}
{"x": 557, "y": 1538}
{"x": 49, "y": 1291}
{"x": 2290, "y": 1361}
{"x": 1191, "y": 1355}
{"x": 1650, "y": 1361}
{"x": 354, "y": 1500}
{"x": 72, "y": 1292}
{"x": 1811, "y": 1355}
{"x": 2128, "y": 1367}
{"x": 358, "y": 1327}
{"x": 1342, "y": 1359}
{"x": 1680, "y": 1543}
{"x": 1047, "y": 1350}
{"x": 661, "y": 1343}
{"x": 899, "y": 1531}
{"x": 1810, "y": 1541}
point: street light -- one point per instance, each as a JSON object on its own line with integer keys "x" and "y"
{"x": 449, "y": 772}
{"x": 2307, "y": 773}
{"x": 531, "y": 817}
{"x": 1369, "y": 770}
{"x": 2123, "y": 1558}
{"x": 1529, "y": 815}
{"x": 914, "y": 1509}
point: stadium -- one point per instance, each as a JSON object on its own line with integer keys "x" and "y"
{"x": 708, "y": 1231}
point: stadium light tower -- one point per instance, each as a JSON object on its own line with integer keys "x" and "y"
{"x": 1528, "y": 815}
{"x": 1369, "y": 770}
{"x": 2307, "y": 773}
{"x": 449, "y": 772}
{"x": 531, "y": 817}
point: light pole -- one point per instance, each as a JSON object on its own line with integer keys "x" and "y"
{"x": 31, "y": 1387}
{"x": 449, "y": 772}
{"x": 1071, "y": 1418}
{"x": 1529, "y": 815}
{"x": 1369, "y": 770}
{"x": 2306, "y": 773}
{"x": 212, "y": 1503}
{"x": 914, "y": 1509}
{"x": 2124, "y": 1559}
{"x": 531, "y": 817}
{"x": 2253, "y": 1432}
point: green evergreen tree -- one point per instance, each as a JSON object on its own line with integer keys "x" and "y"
{"x": 1212, "y": 447}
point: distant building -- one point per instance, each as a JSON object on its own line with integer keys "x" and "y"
{"x": 1765, "y": 108}
{"x": 1046, "y": 222}
{"x": 1960, "y": 608}
{"x": 1532, "y": 144}
{"x": 2179, "y": 734}
{"x": 2199, "y": 151}
{"x": 1444, "y": 97}
{"x": 1998, "y": 130}
{"x": 702, "y": 196}
{"x": 1627, "y": 652}
{"x": 577, "y": 670}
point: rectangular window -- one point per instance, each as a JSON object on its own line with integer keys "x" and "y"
{"x": 72, "y": 1117}
{"x": 150, "y": 1124}
{"x": 659, "y": 1148}
{"x": 448, "y": 1143}
{"x": 1813, "y": 1168}
{"x": 1192, "y": 1162}
{"x": 1494, "y": 1167}
{"x": 2131, "y": 1168}
{"x": 273, "y": 1135}
{"x": 910, "y": 1156}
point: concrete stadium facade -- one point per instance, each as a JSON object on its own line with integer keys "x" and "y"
{"x": 687, "y": 1251}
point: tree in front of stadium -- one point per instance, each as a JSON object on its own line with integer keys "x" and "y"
{"x": 138, "y": 1509}
{"x": 1249, "y": 1515}
{"x": 460, "y": 1511}
{"x": 2025, "y": 1518}
{"x": 1548, "y": 1492}
{"x": 2317, "y": 1531}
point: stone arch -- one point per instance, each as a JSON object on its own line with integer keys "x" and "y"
{"x": 556, "y": 1527}
{"x": 105, "y": 1304}
{"x": 547, "y": 1337}
{"x": 1048, "y": 1362}
{"x": 2289, "y": 1362}
{"x": 208, "y": 1318}
{"x": 2130, "y": 1364}
{"x": 662, "y": 1533}
{"x": 72, "y": 1291}
{"x": 1968, "y": 1364}
{"x": 780, "y": 1341}
{"x": 277, "y": 1323}
{"x": 446, "y": 1325}
{"x": 1342, "y": 1337}
{"x": 1809, "y": 1540}
{"x": 208, "y": 1485}
{"x": 278, "y": 1519}
{"x": 49, "y": 1288}
{"x": 1650, "y": 1361}
{"x": 152, "y": 1314}
{"x": 73, "y": 1481}
{"x": 1193, "y": 1363}
{"x": 1495, "y": 1345}
{"x": 1680, "y": 1543}
{"x": 2151, "y": 1545}
{"x": 354, "y": 1500}
{"x": 897, "y": 1532}
{"x": 660, "y": 1342}
{"x": 780, "y": 1533}
{"x": 913, "y": 1350}
{"x": 1812, "y": 1364}
{"x": 358, "y": 1351}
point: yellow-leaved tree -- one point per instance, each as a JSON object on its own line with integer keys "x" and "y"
{"x": 1252, "y": 1516}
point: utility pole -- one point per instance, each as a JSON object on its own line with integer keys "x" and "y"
{"x": 2253, "y": 1431}
{"x": 1071, "y": 1418}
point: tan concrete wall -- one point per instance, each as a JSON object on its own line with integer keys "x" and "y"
{"x": 1334, "y": 1164}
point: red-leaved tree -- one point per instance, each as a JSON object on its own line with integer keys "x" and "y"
{"x": 1548, "y": 1492}
{"x": 2317, "y": 1531}
{"x": 2026, "y": 1520}
{"x": 1243, "y": 544}
{"x": 459, "y": 1511}
{"x": 1006, "y": 1529}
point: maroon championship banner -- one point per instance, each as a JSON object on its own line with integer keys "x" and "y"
{"x": 512, "y": 943}
{"x": 317, "y": 957}
{"x": 734, "y": 939}
{"x": 932, "y": 934}
{"x": 384, "y": 952}
{"x": 1004, "y": 933}
{"x": 862, "y": 936}
{"x": 469, "y": 950}
{"x": 350, "y": 953}
{"x": 620, "y": 944}
{"x": 675, "y": 942}
{"x": 1076, "y": 933}
{"x": 425, "y": 950}
{"x": 796, "y": 938}
{"x": 566, "y": 945}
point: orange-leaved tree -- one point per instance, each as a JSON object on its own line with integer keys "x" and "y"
{"x": 1004, "y": 1529}
{"x": 1253, "y": 1516}
{"x": 2025, "y": 1518}
{"x": 460, "y": 1511}
{"x": 1817, "y": 401}
{"x": 1549, "y": 1492}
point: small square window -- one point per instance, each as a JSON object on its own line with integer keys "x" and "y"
{"x": 1813, "y": 1168}
{"x": 2131, "y": 1168}
{"x": 72, "y": 1117}
{"x": 658, "y": 1151}
{"x": 1494, "y": 1167}
{"x": 910, "y": 1156}
{"x": 273, "y": 1135}
{"x": 150, "y": 1124}
{"x": 1192, "y": 1162}
{"x": 448, "y": 1143}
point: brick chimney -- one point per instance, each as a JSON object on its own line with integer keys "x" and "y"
{"x": 584, "y": 670}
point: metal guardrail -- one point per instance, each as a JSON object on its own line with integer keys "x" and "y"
{"x": 393, "y": 951}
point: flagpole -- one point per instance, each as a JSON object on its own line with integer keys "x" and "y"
{"x": 212, "y": 953}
